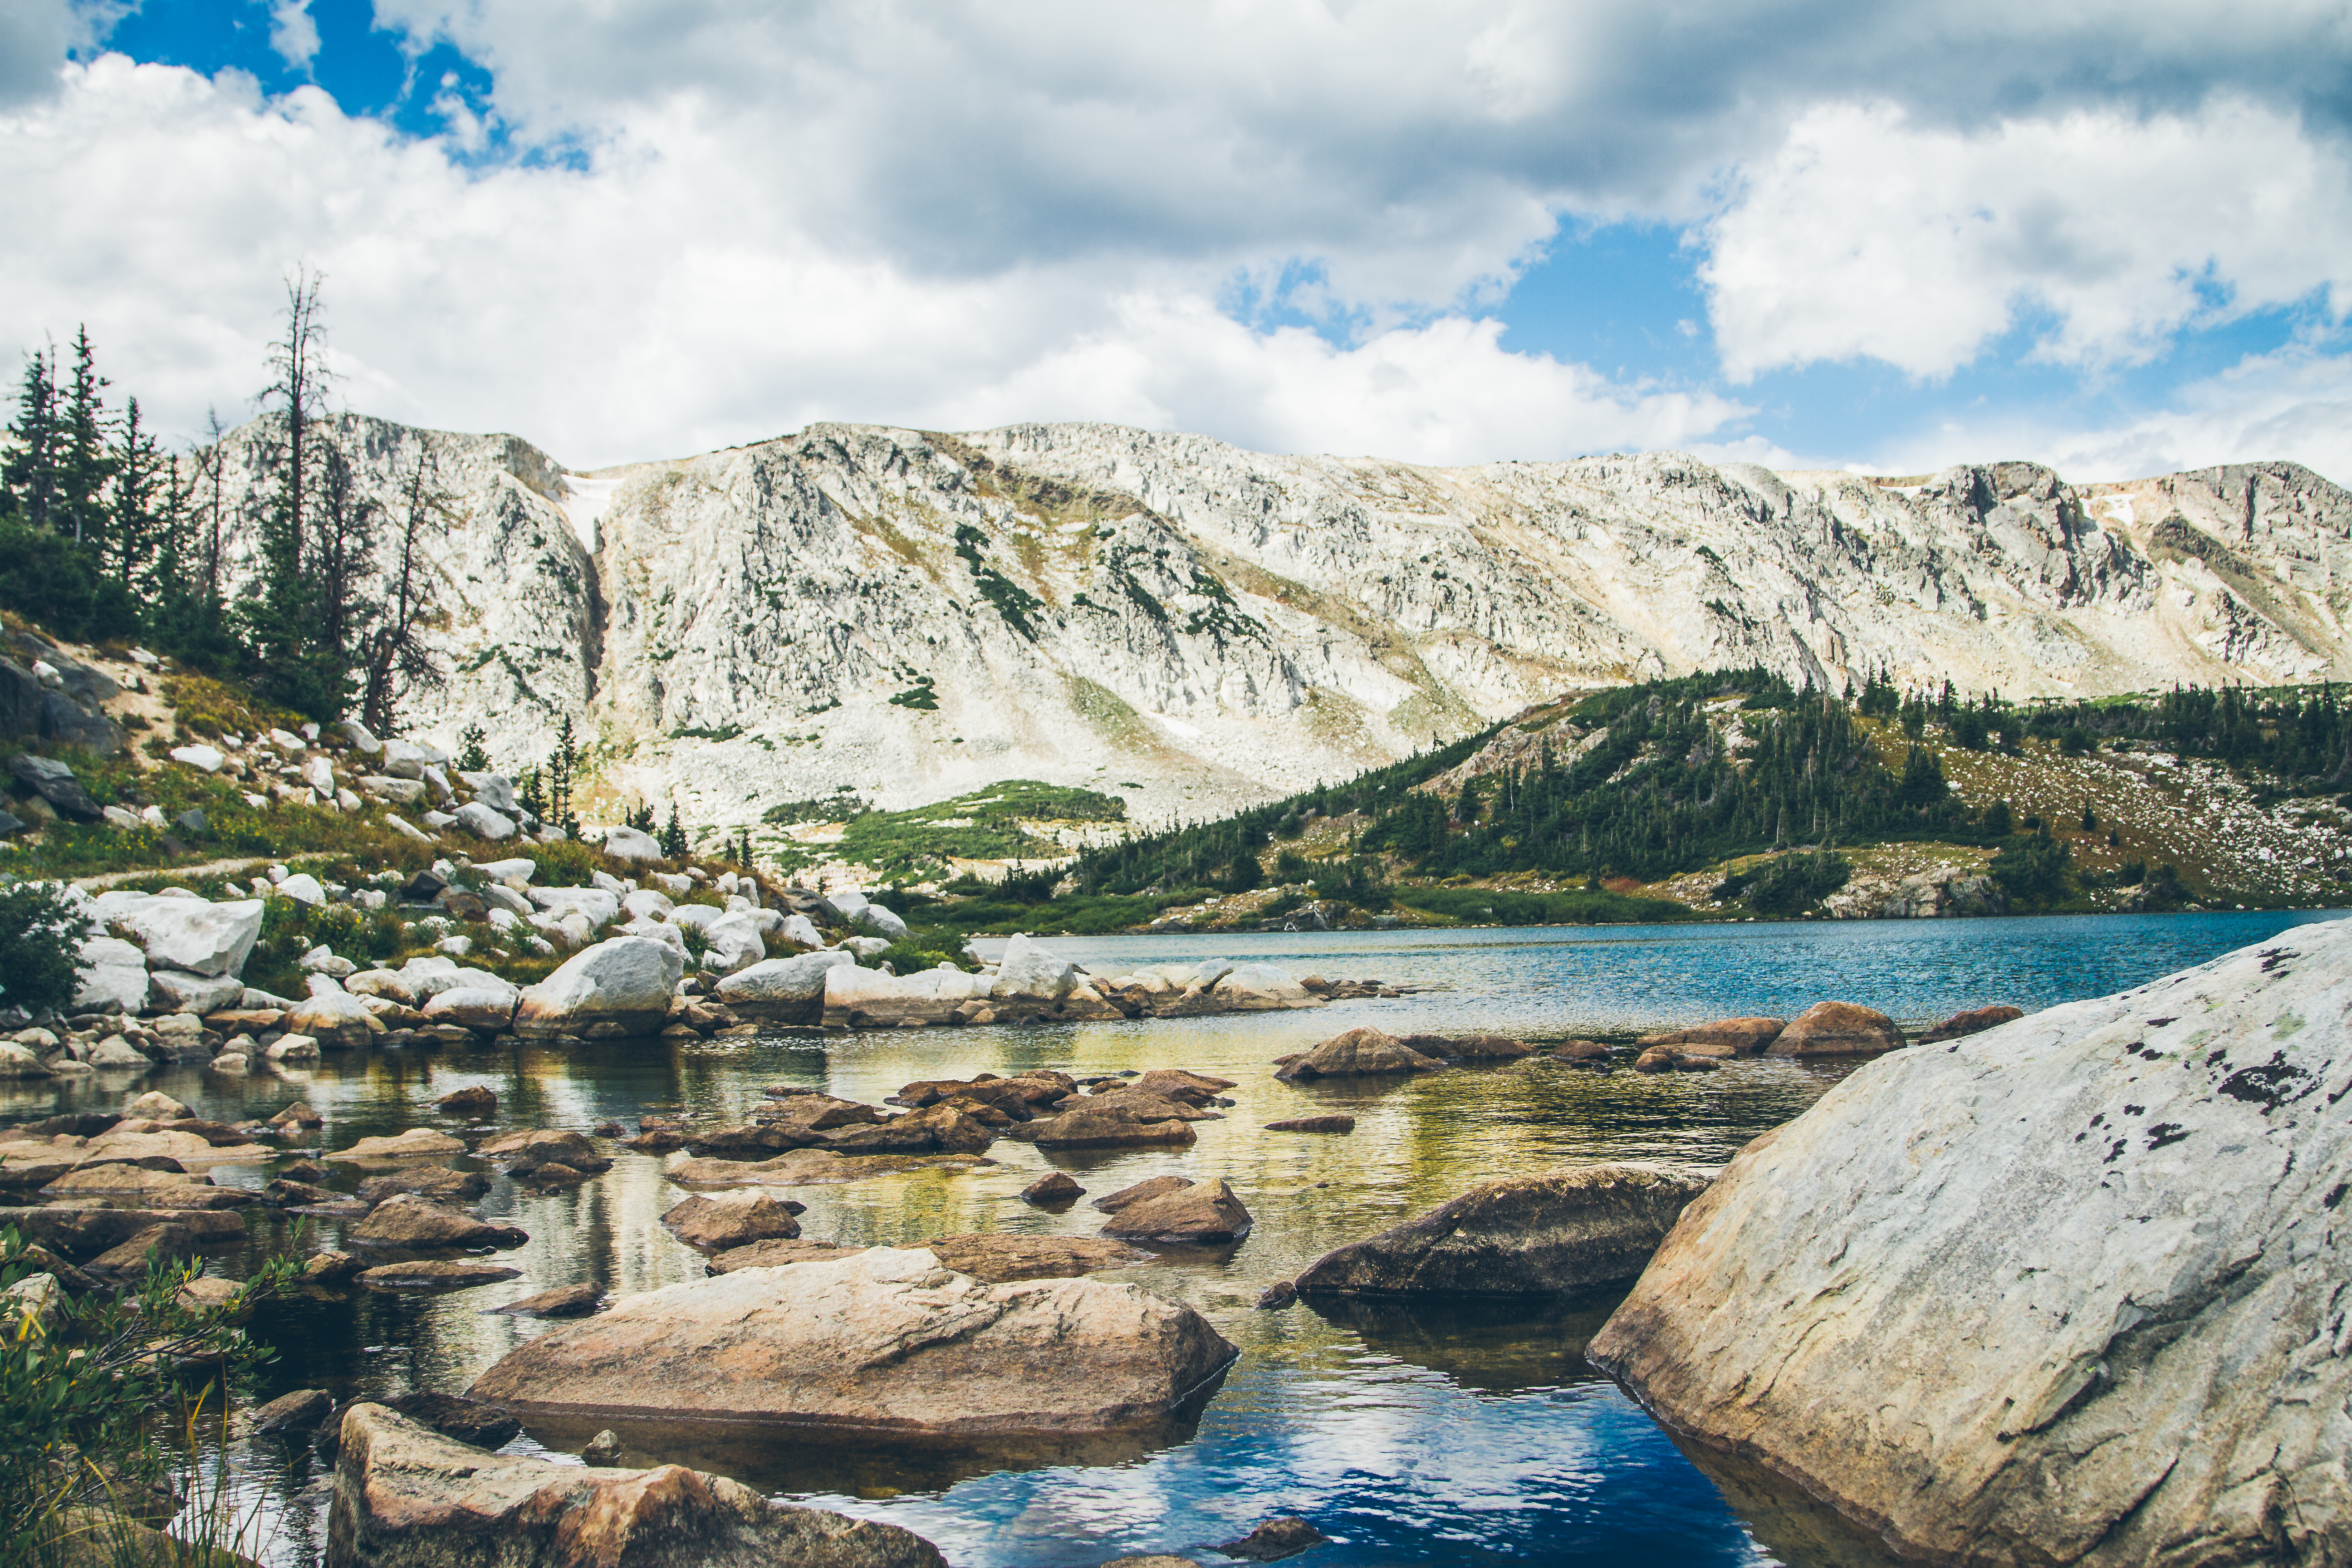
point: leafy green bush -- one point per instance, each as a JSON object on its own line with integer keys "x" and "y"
{"x": 40, "y": 941}
{"x": 1795, "y": 882}
{"x": 2032, "y": 870}
{"x": 291, "y": 928}
{"x": 91, "y": 1398}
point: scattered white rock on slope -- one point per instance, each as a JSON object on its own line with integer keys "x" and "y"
{"x": 2077, "y": 1289}
{"x": 1214, "y": 626}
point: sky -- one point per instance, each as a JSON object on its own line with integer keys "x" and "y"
{"x": 2113, "y": 235}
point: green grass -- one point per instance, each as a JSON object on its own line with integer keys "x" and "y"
{"x": 984, "y": 825}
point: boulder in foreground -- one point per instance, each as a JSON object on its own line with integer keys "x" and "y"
{"x": 408, "y": 1497}
{"x": 881, "y": 1341}
{"x": 621, "y": 987}
{"x": 1546, "y": 1235}
{"x": 2068, "y": 1291}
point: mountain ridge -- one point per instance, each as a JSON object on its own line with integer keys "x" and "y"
{"x": 910, "y": 615}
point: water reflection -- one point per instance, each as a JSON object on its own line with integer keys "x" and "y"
{"x": 1423, "y": 1435}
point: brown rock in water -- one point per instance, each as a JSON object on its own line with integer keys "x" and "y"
{"x": 603, "y": 1450}
{"x": 439, "y": 1183}
{"x": 1546, "y": 1235}
{"x": 806, "y": 1168}
{"x": 816, "y": 1113}
{"x": 1175, "y": 1083}
{"x": 475, "y": 1426}
{"x": 150, "y": 1189}
{"x": 1723, "y": 1037}
{"x": 777, "y": 1255}
{"x": 1658, "y": 1058}
{"x": 416, "y": 1143}
{"x": 750, "y": 1141}
{"x": 437, "y": 1274}
{"x": 303, "y": 1194}
{"x": 407, "y": 1220}
{"x": 886, "y": 1341}
{"x": 406, "y": 1496}
{"x": 298, "y": 1115}
{"x": 565, "y": 1301}
{"x": 997, "y": 1259}
{"x": 934, "y": 1129}
{"x": 1156, "y": 1188}
{"x": 1282, "y": 1293}
{"x": 1468, "y": 1047}
{"x": 1197, "y": 1215}
{"x": 158, "y": 1244}
{"x": 473, "y": 1102}
{"x": 1332, "y": 1123}
{"x": 541, "y": 1146}
{"x": 329, "y": 1267}
{"x": 1116, "y": 1120}
{"x": 1976, "y": 1022}
{"x": 1055, "y": 1189}
{"x": 303, "y": 1170}
{"x": 731, "y": 1219}
{"x": 1275, "y": 1540}
{"x": 1837, "y": 1029}
{"x": 1359, "y": 1053}
{"x": 298, "y": 1412}
{"x": 1580, "y": 1053}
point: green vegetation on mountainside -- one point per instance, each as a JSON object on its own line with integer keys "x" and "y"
{"x": 998, "y": 823}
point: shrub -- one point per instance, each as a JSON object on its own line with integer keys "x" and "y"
{"x": 1796, "y": 882}
{"x": 88, "y": 1401}
{"x": 40, "y": 943}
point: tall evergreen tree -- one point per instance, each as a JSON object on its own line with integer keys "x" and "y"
{"x": 394, "y": 659}
{"x": 28, "y": 485}
{"x": 85, "y": 454}
{"x": 292, "y": 662}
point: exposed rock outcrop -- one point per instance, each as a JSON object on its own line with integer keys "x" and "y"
{"x": 1361, "y": 1052}
{"x": 1837, "y": 1029}
{"x": 2070, "y": 1290}
{"x": 1548, "y": 1234}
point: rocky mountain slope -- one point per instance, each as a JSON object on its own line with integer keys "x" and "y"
{"x": 1191, "y": 628}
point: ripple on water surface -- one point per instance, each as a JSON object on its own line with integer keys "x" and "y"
{"x": 1443, "y": 1436}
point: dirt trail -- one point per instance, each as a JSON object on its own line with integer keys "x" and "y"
{"x": 104, "y": 880}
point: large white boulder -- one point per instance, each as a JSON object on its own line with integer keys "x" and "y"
{"x": 116, "y": 979}
{"x": 487, "y": 1008}
{"x": 483, "y": 822}
{"x": 781, "y": 988}
{"x": 1262, "y": 987}
{"x": 516, "y": 868}
{"x": 594, "y": 905}
{"x": 493, "y": 790}
{"x": 657, "y": 930}
{"x": 2068, "y": 1290}
{"x": 200, "y": 937}
{"x": 334, "y": 1016}
{"x": 303, "y": 889}
{"x": 848, "y": 905}
{"x": 735, "y": 943}
{"x": 620, "y": 986}
{"x": 799, "y": 931}
{"x": 207, "y": 758}
{"x": 1028, "y": 970}
{"x": 417, "y": 753}
{"x": 647, "y": 903}
{"x": 629, "y": 844}
{"x": 177, "y": 991}
{"x": 882, "y": 922}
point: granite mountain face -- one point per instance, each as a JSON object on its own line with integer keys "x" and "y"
{"x": 910, "y": 615}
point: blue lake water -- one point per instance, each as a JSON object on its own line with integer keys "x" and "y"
{"x": 1441, "y": 1435}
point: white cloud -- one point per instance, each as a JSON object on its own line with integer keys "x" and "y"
{"x": 292, "y": 33}
{"x": 2295, "y": 405}
{"x": 1865, "y": 235}
{"x": 645, "y": 307}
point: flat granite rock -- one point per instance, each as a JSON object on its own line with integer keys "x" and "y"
{"x": 437, "y": 1274}
{"x": 884, "y": 1341}
{"x": 996, "y": 1259}
{"x": 2070, "y": 1290}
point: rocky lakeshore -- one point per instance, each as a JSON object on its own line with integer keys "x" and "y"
{"x": 859, "y": 1265}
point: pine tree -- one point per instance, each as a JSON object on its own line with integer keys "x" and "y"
{"x": 85, "y": 455}
{"x": 135, "y": 530}
{"x": 291, "y": 663}
{"x": 673, "y": 835}
{"x": 562, "y": 769}
{"x": 30, "y": 478}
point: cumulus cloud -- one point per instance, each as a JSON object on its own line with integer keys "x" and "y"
{"x": 293, "y": 33}
{"x": 729, "y": 218}
{"x": 643, "y": 308}
{"x": 1864, "y": 234}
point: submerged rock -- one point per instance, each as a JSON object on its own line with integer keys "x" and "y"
{"x": 1332, "y": 1123}
{"x": 807, "y": 1167}
{"x": 2069, "y": 1291}
{"x": 563, "y": 1302}
{"x": 1526, "y": 1235}
{"x": 1057, "y": 1189}
{"x": 886, "y": 1340}
{"x": 1275, "y": 1540}
{"x": 437, "y": 1274}
{"x": 408, "y": 1497}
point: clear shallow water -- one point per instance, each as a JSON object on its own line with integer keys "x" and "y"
{"x": 1430, "y": 1436}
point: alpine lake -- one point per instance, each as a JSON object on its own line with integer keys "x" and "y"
{"x": 1458, "y": 1433}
